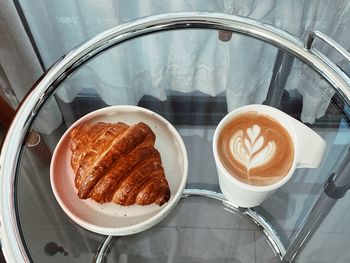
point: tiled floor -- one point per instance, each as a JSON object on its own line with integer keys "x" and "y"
{"x": 197, "y": 230}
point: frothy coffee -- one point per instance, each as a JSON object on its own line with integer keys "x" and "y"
{"x": 256, "y": 149}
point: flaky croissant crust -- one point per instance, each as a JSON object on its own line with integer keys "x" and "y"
{"x": 118, "y": 163}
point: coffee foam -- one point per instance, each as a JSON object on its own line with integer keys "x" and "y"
{"x": 256, "y": 149}
{"x": 248, "y": 148}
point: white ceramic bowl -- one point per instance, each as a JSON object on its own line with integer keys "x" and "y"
{"x": 110, "y": 218}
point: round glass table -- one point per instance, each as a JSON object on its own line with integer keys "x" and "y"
{"x": 191, "y": 68}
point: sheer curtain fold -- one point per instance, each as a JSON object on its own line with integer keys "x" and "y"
{"x": 17, "y": 57}
{"x": 19, "y": 65}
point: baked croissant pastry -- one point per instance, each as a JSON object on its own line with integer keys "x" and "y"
{"x": 118, "y": 163}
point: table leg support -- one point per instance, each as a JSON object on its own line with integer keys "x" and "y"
{"x": 280, "y": 73}
{"x": 102, "y": 249}
{"x": 334, "y": 189}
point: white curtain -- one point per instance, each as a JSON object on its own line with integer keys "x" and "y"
{"x": 241, "y": 68}
{"x": 19, "y": 66}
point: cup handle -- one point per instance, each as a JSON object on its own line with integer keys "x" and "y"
{"x": 311, "y": 147}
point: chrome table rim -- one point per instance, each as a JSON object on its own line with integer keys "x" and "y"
{"x": 10, "y": 234}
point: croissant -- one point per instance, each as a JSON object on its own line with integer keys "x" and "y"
{"x": 115, "y": 162}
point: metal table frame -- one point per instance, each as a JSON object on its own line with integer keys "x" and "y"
{"x": 289, "y": 48}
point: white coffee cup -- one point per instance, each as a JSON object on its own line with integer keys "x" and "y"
{"x": 309, "y": 149}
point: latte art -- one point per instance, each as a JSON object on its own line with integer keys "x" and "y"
{"x": 249, "y": 150}
{"x": 255, "y": 149}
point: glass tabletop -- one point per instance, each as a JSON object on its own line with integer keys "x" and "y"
{"x": 193, "y": 92}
